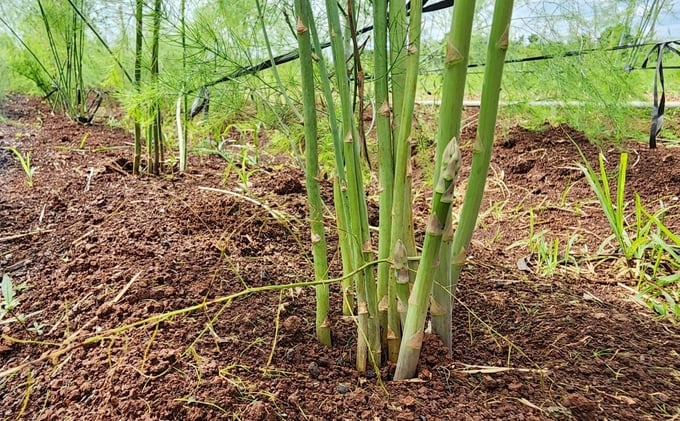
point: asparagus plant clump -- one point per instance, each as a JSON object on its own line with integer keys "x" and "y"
{"x": 391, "y": 310}
{"x": 388, "y": 290}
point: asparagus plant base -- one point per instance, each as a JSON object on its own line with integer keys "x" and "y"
{"x": 189, "y": 245}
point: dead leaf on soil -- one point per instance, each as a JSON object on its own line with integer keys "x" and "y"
{"x": 530, "y": 405}
{"x": 524, "y": 265}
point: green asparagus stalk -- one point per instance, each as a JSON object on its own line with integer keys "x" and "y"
{"x": 357, "y": 216}
{"x": 457, "y": 47}
{"x": 401, "y": 217}
{"x": 481, "y": 154}
{"x": 412, "y": 340}
{"x": 385, "y": 156}
{"x": 319, "y": 250}
{"x": 340, "y": 198}
{"x": 138, "y": 81}
{"x": 156, "y": 127}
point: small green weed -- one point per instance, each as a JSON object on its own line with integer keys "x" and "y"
{"x": 651, "y": 250}
{"x": 547, "y": 255}
{"x": 10, "y": 303}
{"x": 242, "y": 165}
{"x": 25, "y": 161}
{"x": 9, "y": 292}
{"x": 612, "y": 206}
{"x": 241, "y": 159}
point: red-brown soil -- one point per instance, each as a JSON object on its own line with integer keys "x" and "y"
{"x": 100, "y": 249}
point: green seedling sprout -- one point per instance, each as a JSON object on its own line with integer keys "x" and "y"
{"x": 25, "y": 161}
{"x": 9, "y": 301}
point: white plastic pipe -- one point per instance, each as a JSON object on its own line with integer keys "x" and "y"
{"x": 476, "y": 103}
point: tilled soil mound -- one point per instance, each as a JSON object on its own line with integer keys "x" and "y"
{"x": 133, "y": 306}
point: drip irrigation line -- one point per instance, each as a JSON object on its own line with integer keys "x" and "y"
{"x": 576, "y": 53}
{"x": 573, "y": 53}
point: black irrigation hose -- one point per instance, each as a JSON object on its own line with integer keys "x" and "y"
{"x": 659, "y": 103}
{"x": 574, "y": 53}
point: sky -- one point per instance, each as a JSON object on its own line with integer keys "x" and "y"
{"x": 553, "y": 17}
